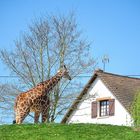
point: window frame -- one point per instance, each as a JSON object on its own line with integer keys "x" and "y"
{"x": 95, "y": 107}
{"x": 104, "y": 108}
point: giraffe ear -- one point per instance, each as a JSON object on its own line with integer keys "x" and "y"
{"x": 64, "y": 67}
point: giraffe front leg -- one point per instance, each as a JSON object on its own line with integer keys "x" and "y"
{"x": 44, "y": 117}
{"x": 45, "y": 111}
{"x": 36, "y": 117}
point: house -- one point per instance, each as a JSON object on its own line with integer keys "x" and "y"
{"x": 106, "y": 99}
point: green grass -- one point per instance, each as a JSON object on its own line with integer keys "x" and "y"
{"x": 67, "y": 132}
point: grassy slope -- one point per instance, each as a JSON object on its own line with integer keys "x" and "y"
{"x": 67, "y": 132}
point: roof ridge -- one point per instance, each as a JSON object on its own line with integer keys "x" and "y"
{"x": 119, "y": 75}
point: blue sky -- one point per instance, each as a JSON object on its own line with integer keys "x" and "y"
{"x": 113, "y": 27}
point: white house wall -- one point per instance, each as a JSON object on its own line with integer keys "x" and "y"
{"x": 83, "y": 112}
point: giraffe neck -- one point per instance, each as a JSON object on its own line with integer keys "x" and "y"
{"x": 51, "y": 83}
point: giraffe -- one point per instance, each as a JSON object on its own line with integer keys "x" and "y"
{"x": 36, "y": 99}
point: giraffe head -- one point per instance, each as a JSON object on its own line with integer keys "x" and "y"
{"x": 65, "y": 72}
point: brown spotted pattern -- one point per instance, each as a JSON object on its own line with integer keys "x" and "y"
{"x": 37, "y": 99}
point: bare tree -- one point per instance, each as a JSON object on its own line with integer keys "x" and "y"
{"x": 7, "y": 96}
{"x": 42, "y": 50}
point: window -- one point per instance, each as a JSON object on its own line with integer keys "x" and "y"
{"x": 100, "y": 108}
{"x": 104, "y": 108}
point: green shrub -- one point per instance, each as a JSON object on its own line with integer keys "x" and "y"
{"x": 135, "y": 109}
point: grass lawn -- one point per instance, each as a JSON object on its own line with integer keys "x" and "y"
{"x": 67, "y": 132}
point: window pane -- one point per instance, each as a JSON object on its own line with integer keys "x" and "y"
{"x": 104, "y": 108}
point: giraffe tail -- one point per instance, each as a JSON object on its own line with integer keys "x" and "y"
{"x": 14, "y": 121}
{"x": 15, "y": 107}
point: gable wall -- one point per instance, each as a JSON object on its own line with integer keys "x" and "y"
{"x": 83, "y": 112}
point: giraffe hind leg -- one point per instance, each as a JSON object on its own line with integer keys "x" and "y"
{"x": 21, "y": 116}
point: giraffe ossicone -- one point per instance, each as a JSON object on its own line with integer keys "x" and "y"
{"x": 36, "y": 99}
